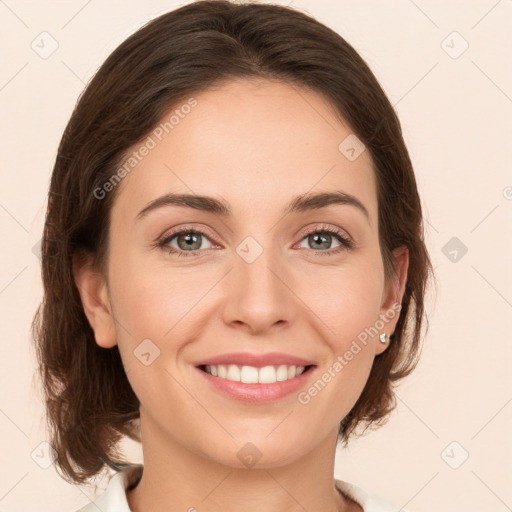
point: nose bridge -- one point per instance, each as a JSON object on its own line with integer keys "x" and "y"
{"x": 258, "y": 294}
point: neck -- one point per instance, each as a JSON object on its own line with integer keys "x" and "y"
{"x": 177, "y": 478}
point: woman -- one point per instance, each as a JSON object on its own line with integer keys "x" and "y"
{"x": 232, "y": 254}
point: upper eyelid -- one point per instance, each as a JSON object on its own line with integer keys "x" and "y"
{"x": 204, "y": 231}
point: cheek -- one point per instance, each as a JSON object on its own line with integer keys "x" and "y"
{"x": 348, "y": 306}
{"x": 151, "y": 301}
{"x": 347, "y": 300}
{"x": 159, "y": 312}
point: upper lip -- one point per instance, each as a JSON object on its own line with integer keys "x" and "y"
{"x": 256, "y": 360}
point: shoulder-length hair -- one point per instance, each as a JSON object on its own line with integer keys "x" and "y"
{"x": 90, "y": 403}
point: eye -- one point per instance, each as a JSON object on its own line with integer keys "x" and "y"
{"x": 185, "y": 242}
{"x": 322, "y": 237}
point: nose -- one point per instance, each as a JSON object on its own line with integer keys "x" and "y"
{"x": 259, "y": 295}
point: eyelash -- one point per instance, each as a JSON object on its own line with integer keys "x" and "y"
{"x": 346, "y": 243}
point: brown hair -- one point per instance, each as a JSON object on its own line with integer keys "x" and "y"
{"x": 90, "y": 403}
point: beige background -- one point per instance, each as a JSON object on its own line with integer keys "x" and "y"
{"x": 456, "y": 115}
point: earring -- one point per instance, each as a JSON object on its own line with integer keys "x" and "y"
{"x": 384, "y": 338}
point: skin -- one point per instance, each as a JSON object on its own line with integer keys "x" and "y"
{"x": 256, "y": 145}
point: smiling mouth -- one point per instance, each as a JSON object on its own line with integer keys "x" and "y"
{"x": 255, "y": 375}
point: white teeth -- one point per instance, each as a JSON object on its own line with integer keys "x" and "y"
{"x": 221, "y": 371}
{"x": 267, "y": 375}
{"x": 249, "y": 375}
{"x": 253, "y": 375}
{"x": 233, "y": 373}
{"x": 282, "y": 372}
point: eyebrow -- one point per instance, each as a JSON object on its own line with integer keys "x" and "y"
{"x": 299, "y": 204}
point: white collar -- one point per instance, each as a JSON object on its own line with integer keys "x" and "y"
{"x": 369, "y": 502}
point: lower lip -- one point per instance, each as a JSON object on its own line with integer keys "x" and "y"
{"x": 258, "y": 393}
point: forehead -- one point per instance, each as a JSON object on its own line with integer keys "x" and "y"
{"x": 254, "y": 143}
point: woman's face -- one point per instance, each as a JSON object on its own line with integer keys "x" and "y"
{"x": 260, "y": 278}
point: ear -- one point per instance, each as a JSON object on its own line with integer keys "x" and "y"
{"x": 392, "y": 295}
{"x": 93, "y": 290}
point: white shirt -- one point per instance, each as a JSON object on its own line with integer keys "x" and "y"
{"x": 114, "y": 498}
